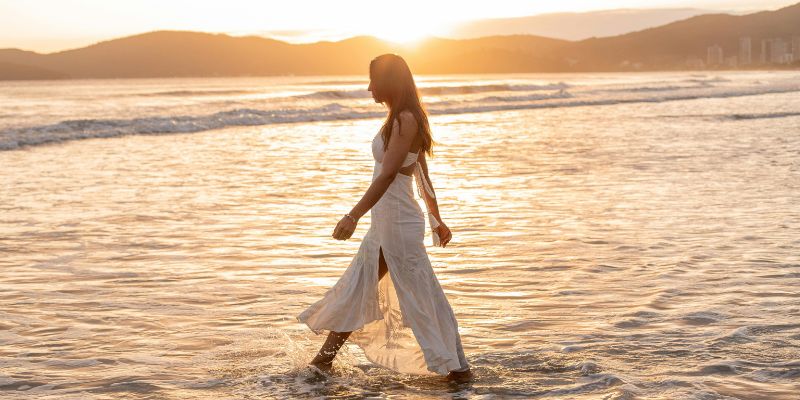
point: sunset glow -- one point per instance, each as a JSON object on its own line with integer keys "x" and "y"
{"x": 586, "y": 199}
{"x": 50, "y": 25}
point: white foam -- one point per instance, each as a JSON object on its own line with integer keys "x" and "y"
{"x": 283, "y": 112}
{"x": 104, "y": 128}
{"x": 437, "y": 90}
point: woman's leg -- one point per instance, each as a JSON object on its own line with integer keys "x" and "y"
{"x": 335, "y": 340}
{"x": 324, "y": 358}
{"x": 463, "y": 374}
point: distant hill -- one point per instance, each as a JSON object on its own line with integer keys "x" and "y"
{"x": 575, "y": 26}
{"x": 196, "y": 54}
{"x": 182, "y": 54}
{"x": 668, "y": 46}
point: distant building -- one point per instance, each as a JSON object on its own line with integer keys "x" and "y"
{"x": 766, "y": 48}
{"x": 732, "y": 61}
{"x": 796, "y": 48}
{"x": 775, "y": 51}
{"x": 745, "y": 51}
{"x": 780, "y": 52}
{"x": 715, "y": 56}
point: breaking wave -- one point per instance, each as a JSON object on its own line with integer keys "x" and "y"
{"x": 13, "y": 138}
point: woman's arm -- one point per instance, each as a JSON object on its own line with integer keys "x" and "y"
{"x": 402, "y": 137}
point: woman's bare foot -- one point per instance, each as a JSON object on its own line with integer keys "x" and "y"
{"x": 460, "y": 376}
{"x": 317, "y": 373}
{"x": 323, "y": 366}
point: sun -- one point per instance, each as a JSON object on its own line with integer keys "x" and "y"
{"x": 405, "y": 29}
{"x": 402, "y": 36}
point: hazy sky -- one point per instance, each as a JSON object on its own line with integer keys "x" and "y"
{"x": 51, "y": 25}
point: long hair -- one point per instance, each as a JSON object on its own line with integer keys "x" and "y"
{"x": 391, "y": 77}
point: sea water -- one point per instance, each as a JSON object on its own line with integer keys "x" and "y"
{"x": 615, "y": 236}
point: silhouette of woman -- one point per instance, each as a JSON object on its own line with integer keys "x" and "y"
{"x": 404, "y": 322}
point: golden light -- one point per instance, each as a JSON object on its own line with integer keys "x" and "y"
{"x": 56, "y": 24}
{"x": 405, "y": 27}
{"x": 401, "y": 36}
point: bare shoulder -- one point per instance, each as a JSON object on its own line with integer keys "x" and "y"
{"x": 407, "y": 116}
{"x": 408, "y": 122}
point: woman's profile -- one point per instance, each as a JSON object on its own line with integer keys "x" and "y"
{"x": 402, "y": 320}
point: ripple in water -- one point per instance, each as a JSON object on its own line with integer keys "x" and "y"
{"x": 607, "y": 251}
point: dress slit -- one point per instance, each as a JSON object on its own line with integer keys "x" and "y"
{"x": 380, "y": 255}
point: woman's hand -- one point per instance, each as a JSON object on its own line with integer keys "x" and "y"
{"x": 345, "y": 228}
{"x": 444, "y": 233}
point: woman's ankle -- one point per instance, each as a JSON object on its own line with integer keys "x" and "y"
{"x": 323, "y": 359}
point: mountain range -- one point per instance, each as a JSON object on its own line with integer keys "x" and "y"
{"x": 198, "y": 54}
{"x": 574, "y": 25}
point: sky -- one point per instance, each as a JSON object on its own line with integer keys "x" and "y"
{"x": 53, "y": 25}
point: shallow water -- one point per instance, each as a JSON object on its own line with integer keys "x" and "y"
{"x": 641, "y": 250}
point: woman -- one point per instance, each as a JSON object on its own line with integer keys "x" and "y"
{"x": 402, "y": 322}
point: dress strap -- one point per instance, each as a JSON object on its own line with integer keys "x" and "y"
{"x": 422, "y": 184}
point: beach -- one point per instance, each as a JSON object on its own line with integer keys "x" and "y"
{"x": 616, "y": 236}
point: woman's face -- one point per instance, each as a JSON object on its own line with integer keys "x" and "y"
{"x": 375, "y": 95}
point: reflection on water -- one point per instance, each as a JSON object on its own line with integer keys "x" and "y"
{"x": 598, "y": 252}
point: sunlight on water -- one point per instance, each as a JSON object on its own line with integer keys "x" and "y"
{"x": 620, "y": 251}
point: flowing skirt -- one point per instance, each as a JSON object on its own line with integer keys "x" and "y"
{"x": 402, "y": 322}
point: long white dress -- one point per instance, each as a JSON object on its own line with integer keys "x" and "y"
{"x": 402, "y": 322}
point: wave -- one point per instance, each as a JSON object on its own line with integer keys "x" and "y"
{"x": 342, "y": 82}
{"x": 103, "y": 128}
{"x": 669, "y": 88}
{"x": 578, "y": 102}
{"x": 786, "y": 114}
{"x": 695, "y": 83}
{"x": 735, "y": 117}
{"x": 437, "y": 90}
{"x": 99, "y": 128}
{"x": 336, "y": 94}
{"x": 706, "y": 79}
{"x": 469, "y": 89}
{"x": 182, "y": 93}
{"x": 561, "y": 94}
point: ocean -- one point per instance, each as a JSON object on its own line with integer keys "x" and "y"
{"x": 615, "y": 236}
